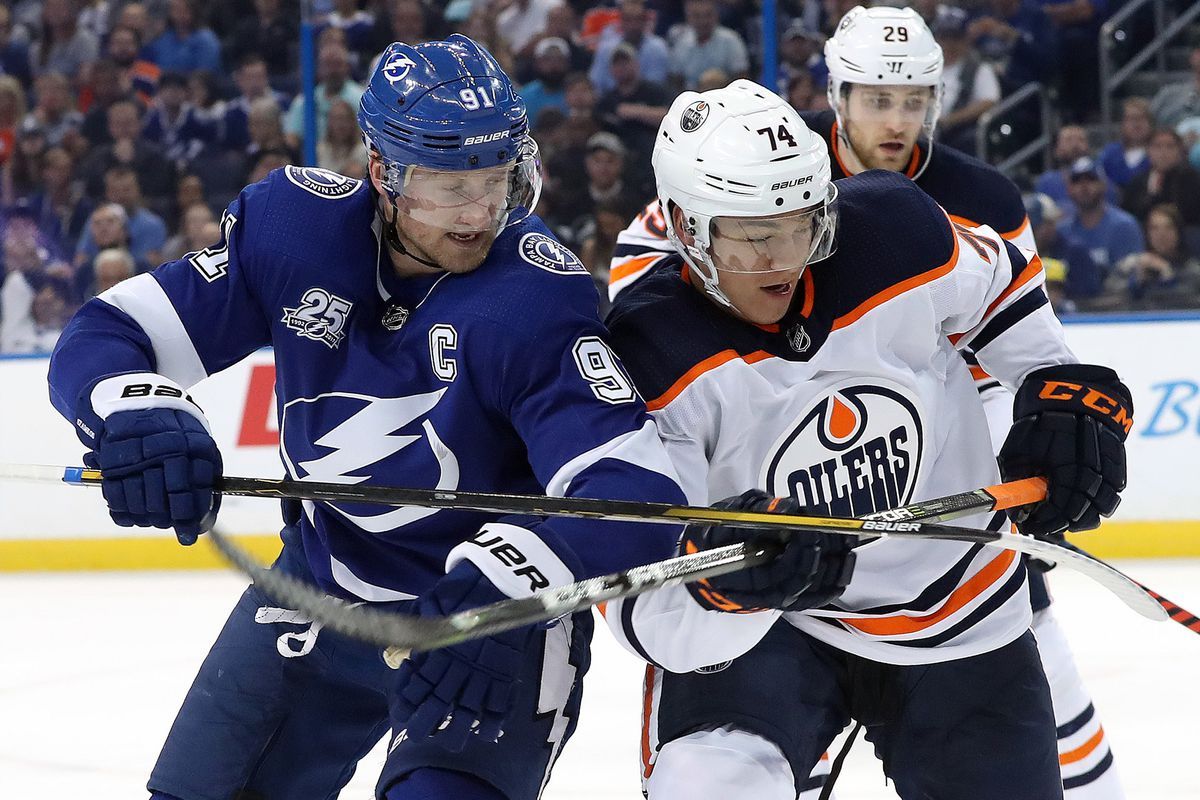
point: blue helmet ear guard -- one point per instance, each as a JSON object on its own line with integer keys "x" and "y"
{"x": 448, "y": 106}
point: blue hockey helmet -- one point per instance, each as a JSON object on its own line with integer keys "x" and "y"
{"x": 447, "y": 107}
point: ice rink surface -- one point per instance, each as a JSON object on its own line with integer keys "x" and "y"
{"x": 93, "y": 666}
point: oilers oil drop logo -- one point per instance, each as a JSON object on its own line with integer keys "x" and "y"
{"x": 854, "y": 450}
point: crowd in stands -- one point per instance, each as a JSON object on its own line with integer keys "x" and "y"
{"x": 127, "y": 126}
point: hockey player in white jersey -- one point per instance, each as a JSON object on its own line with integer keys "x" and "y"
{"x": 885, "y": 71}
{"x": 830, "y": 374}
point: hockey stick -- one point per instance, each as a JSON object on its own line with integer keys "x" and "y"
{"x": 403, "y": 632}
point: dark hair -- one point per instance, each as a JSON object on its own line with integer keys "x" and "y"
{"x": 172, "y": 78}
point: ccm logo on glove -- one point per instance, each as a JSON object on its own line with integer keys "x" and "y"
{"x": 1089, "y": 397}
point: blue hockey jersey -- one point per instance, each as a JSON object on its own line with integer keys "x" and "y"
{"x": 498, "y": 380}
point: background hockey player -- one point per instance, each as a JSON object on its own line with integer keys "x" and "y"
{"x": 770, "y": 357}
{"x": 885, "y": 76}
{"x": 398, "y": 309}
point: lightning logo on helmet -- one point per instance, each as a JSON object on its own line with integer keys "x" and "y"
{"x": 397, "y": 68}
{"x": 855, "y": 449}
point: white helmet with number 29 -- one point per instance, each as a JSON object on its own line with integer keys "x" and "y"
{"x": 740, "y": 152}
{"x": 884, "y": 46}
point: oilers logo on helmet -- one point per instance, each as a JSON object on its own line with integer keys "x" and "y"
{"x": 856, "y": 450}
{"x": 693, "y": 116}
{"x": 322, "y": 182}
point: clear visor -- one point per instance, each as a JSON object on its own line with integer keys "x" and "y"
{"x": 897, "y": 106}
{"x": 773, "y": 244}
{"x": 469, "y": 201}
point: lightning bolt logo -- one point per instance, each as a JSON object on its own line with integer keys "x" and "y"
{"x": 365, "y": 439}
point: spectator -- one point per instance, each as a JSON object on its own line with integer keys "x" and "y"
{"x": 632, "y": 29}
{"x": 59, "y": 208}
{"x": 581, "y": 110}
{"x": 55, "y": 110}
{"x": 333, "y": 76}
{"x": 155, "y": 172}
{"x": 1077, "y": 25}
{"x": 1179, "y": 101}
{"x": 802, "y": 93}
{"x": 29, "y": 321}
{"x": 253, "y": 84}
{"x": 112, "y": 266}
{"x": 36, "y": 307}
{"x": 189, "y": 191}
{"x": 563, "y": 22}
{"x": 521, "y": 22}
{"x": 356, "y": 24}
{"x": 147, "y": 231}
{"x": 403, "y": 21}
{"x": 14, "y": 54}
{"x": 205, "y": 96}
{"x": 1070, "y": 145}
{"x": 604, "y": 165}
{"x": 1166, "y": 276}
{"x": 551, "y": 57}
{"x": 480, "y": 25}
{"x": 134, "y": 17}
{"x": 597, "y": 241}
{"x": 137, "y": 75}
{"x": 703, "y": 44}
{"x": 342, "y": 149}
{"x": 104, "y": 88}
{"x": 1170, "y": 179}
{"x": 634, "y": 108}
{"x": 186, "y": 44}
{"x": 1059, "y": 250}
{"x": 801, "y": 52}
{"x": 1127, "y": 157}
{"x": 64, "y": 47}
{"x": 191, "y": 236}
{"x": 174, "y": 124}
{"x": 267, "y": 161}
{"x": 94, "y": 17}
{"x": 23, "y": 171}
{"x": 265, "y": 124}
{"x": 969, "y": 84}
{"x": 1108, "y": 233}
{"x": 269, "y": 34}
{"x": 12, "y": 111}
{"x": 1019, "y": 34}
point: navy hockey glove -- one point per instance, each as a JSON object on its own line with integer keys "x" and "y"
{"x": 159, "y": 467}
{"x": 464, "y": 689}
{"x": 810, "y": 569}
{"x": 1070, "y": 425}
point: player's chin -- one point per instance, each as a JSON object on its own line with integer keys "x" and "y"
{"x": 464, "y": 252}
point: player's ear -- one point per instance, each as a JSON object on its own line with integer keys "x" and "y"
{"x": 683, "y": 229}
{"x": 375, "y": 172}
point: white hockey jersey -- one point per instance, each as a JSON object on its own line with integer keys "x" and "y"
{"x": 858, "y": 401}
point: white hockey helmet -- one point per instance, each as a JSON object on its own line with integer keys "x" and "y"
{"x": 884, "y": 46}
{"x": 739, "y": 152}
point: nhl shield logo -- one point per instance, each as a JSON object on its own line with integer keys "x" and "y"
{"x": 855, "y": 449}
{"x": 693, "y": 116}
{"x": 798, "y": 338}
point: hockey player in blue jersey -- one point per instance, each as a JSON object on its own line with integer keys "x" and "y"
{"x": 818, "y": 360}
{"x": 427, "y": 331}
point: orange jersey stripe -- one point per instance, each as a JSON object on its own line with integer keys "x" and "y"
{"x": 1082, "y": 752}
{"x": 979, "y": 374}
{"x": 897, "y": 289}
{"x": 1031, "y": 271}
{"x": 807, "y": 278}
{"x": 710, "y": 363}
{"x": 647, "y": 707}
{"x": 631, "y": 266}
{"x": 900, "y": 624}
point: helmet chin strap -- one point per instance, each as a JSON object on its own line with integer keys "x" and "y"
{"x": 393, "y": 241}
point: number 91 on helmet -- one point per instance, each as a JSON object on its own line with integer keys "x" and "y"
{"x": 452, "y": 136}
